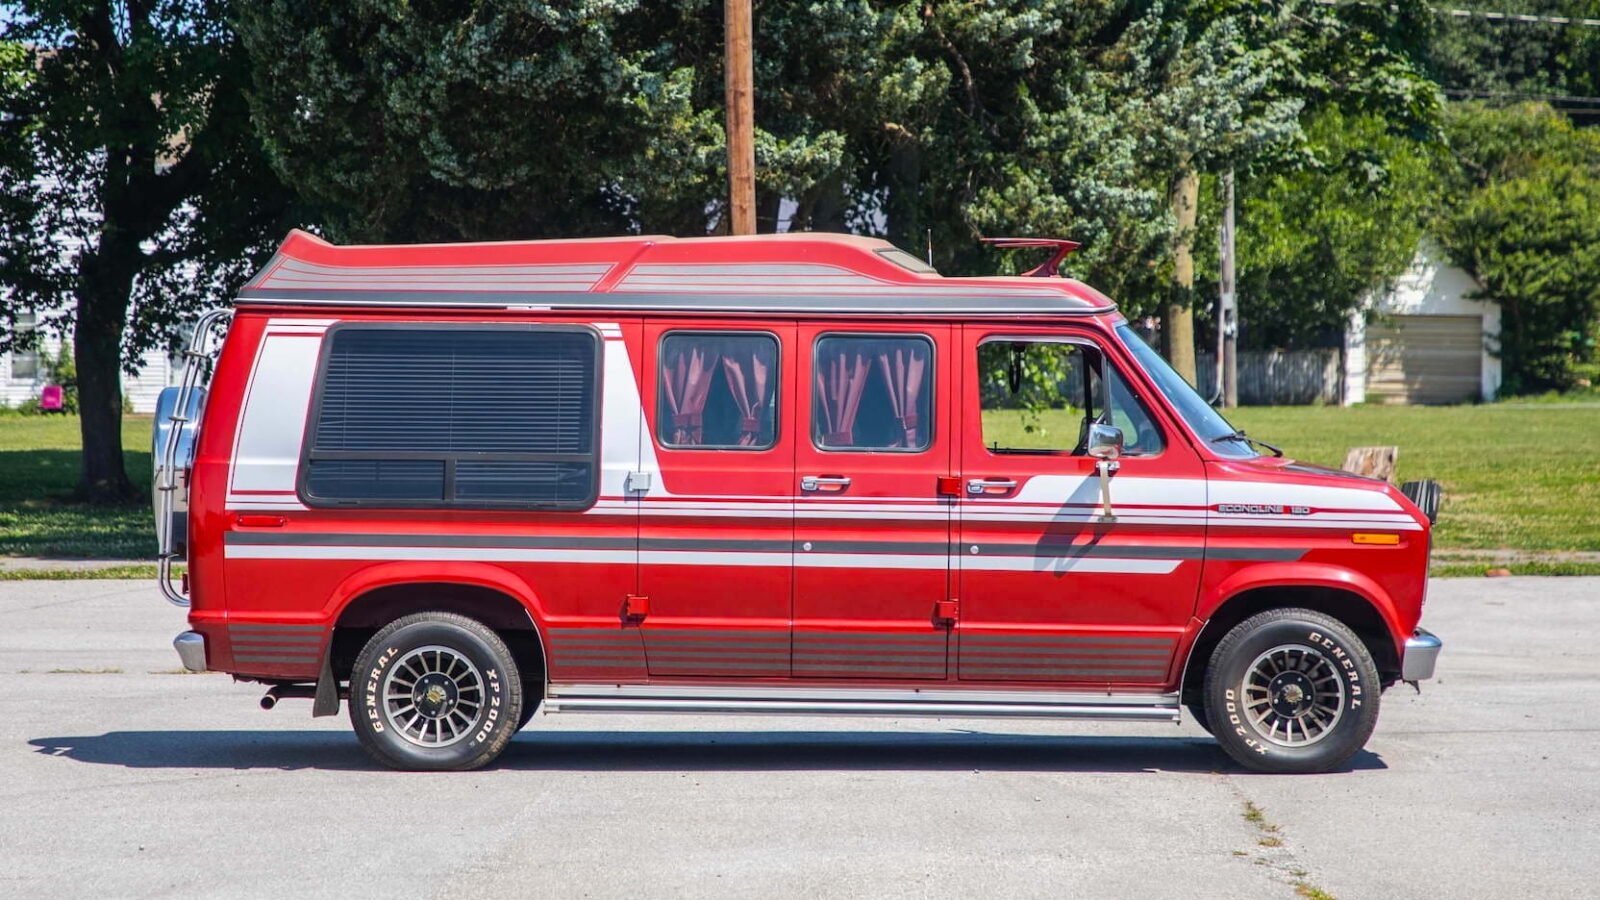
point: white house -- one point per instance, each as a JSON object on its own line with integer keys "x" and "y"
{"x": 1428, "y": 341}
{"x": 23, "y": 374}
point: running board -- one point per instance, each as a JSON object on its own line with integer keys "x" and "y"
{"x": 812, "y": 701}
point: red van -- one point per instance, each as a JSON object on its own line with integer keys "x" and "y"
{"x": 456, "y": 485}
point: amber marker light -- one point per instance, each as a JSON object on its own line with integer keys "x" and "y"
{"x": 1367, "y": 537}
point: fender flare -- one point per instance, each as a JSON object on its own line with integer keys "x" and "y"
{"x": 1293, "y": 574}
{"x": 464, "y": 573}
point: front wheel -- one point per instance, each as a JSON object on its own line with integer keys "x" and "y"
{"x": 1291, "y": 690}
{"x": 435, "y": 691}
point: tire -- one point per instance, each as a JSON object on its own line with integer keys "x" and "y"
{"x": 1291, "y": 691}
{"x": 445, "y": 661}
{"x": 532, "y": 694}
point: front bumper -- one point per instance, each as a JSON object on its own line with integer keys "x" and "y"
{"x": 191, "y": 647}
{"x": 1422, "y": 651}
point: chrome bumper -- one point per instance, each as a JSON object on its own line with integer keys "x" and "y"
{"x": 1422, "y": 650}
{"x": 191, "y": 647}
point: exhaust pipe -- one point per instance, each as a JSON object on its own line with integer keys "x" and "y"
{"x": 285, "y": 691}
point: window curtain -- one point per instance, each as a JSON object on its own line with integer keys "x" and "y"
{"x": 686, "y": 382}
{"x": 902, "y": 375}
{"x": 840, "y": 382}
{"x": 749, "y": 378}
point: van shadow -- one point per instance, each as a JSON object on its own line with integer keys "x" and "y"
{"x": 692, "y": 751}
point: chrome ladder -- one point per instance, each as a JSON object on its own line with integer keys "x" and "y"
{"x": 194, "y": 358}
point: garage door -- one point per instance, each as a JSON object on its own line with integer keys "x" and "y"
{"x": 1424, "y": 359}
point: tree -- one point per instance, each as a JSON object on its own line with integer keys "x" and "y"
{"x": 1526, "y": 223}
{"x": 131, "y": 188}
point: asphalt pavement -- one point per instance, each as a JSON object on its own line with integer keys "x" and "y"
{"x": 121, "y": 777}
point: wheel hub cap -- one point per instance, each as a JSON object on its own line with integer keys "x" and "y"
{"x": 1293, "y": 695}
{"x": 433, "y": 696}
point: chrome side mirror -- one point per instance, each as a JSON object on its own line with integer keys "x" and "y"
{"x": 1105, "y": 441}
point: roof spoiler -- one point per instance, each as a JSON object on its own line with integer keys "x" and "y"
{"x": 1050, "y": 268}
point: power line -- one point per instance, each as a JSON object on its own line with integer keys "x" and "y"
{"x": 1491, "y": 15}
{"x": 1516, "y": 17}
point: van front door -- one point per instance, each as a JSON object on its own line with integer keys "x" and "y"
{"x": 871, "y": 556}
{"x": 1052, "y": 589}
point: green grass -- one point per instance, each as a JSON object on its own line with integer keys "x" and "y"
{"x": 39, "y": 459}
{"x": 1515, "y": 476}
{"x": 1524, "y": 477}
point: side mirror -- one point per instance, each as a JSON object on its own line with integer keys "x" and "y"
{"x": 1105, "y": 441}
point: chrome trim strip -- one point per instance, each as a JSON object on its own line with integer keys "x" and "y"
{"x": 828, "y": 708}
{"x": 862, "y": 695}
{"x": 191, "y": 647}
{"x": 1422, "y": 652}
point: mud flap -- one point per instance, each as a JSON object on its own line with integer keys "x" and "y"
{"x": 326, "y": 702}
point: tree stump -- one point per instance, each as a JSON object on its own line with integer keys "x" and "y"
{"x": 1373, "y": 462}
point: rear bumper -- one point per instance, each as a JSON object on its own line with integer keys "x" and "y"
{"x": 1422, "y": 651}
{"x": 191, "y": 647}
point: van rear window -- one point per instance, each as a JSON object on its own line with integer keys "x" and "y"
{"x": 458, "y": 416}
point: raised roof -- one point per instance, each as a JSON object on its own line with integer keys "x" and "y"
{"x": 806, "y": 272}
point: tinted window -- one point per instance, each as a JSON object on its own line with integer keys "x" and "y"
{"x": 717, "y": 391}
{"x": 872, "y": 393}
{"x": 459, "y": 416}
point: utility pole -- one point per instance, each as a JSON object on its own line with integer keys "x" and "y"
{"x": 1228, "y": 306}
{"x": 741, "y": 118}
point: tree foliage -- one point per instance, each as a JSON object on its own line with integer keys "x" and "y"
{"x": 1525, "y": 221}
{"x": 131, "y": 187}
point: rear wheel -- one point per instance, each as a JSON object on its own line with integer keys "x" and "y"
{"x": 435, "y": 691}
{"x": 1291, "y": 690}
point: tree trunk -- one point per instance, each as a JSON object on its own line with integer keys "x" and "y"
{"x": 1177, "y": 327}
{"x": 107, "y": 280}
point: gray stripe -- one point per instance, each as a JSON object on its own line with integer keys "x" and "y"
{"x": 774, "y": 634}
{"x": 928, "y": 301}
{"x": 668, "y": 668}
{"x": 1047, "y": 655}
{"x": 332, "y": 539}
{"x": 300, "y": 265}
{"x": 1087, "y": 665}
{"x": 784, "y": 269}
{"x": 686, "y": 653}
{"x": 1012, "y": 671}
{"x": 864, "y": 640}
{"x": 293, "y": 644}
{"x": 273, "y": 658}
{"x": 846, "y": 669}
{"x": 1050, "y": 640}
{"x": 1090, "y": 551}
{"x": 1259, "y": 554}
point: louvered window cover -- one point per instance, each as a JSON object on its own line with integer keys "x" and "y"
{"x": 455, "y": 416}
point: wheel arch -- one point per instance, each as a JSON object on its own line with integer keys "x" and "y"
{"x": 374, "y": 597}
{"x": 1360, "y": 606}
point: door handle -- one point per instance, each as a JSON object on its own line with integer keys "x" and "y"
{"x": 979, "y": 486}
{"x": 831, "y": 484}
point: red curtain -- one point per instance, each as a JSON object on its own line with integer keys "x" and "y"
{"x": 902, "y": 375}
{"x": 749, "y": 378}
{"x": 686, "y": 382}
{"x": 840, "y": 381}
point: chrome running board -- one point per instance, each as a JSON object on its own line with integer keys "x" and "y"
{"x": 814, "y": 701}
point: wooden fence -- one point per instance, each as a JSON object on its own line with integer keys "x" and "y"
{"x": 1279, "y": 377}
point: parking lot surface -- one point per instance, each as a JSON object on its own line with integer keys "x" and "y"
{"x": 120, "y": 777}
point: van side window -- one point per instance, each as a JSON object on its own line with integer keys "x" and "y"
{"x": 457, "y": 416}
{"x": 1041, "y": 397}
{"x": 718, "y": 391}
{"x": 872, "y": 393}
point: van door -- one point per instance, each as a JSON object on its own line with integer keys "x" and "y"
{"x": 716, "y": 520}
{"x": 1050, "y": 588}
{"x": 871, "y": 533}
